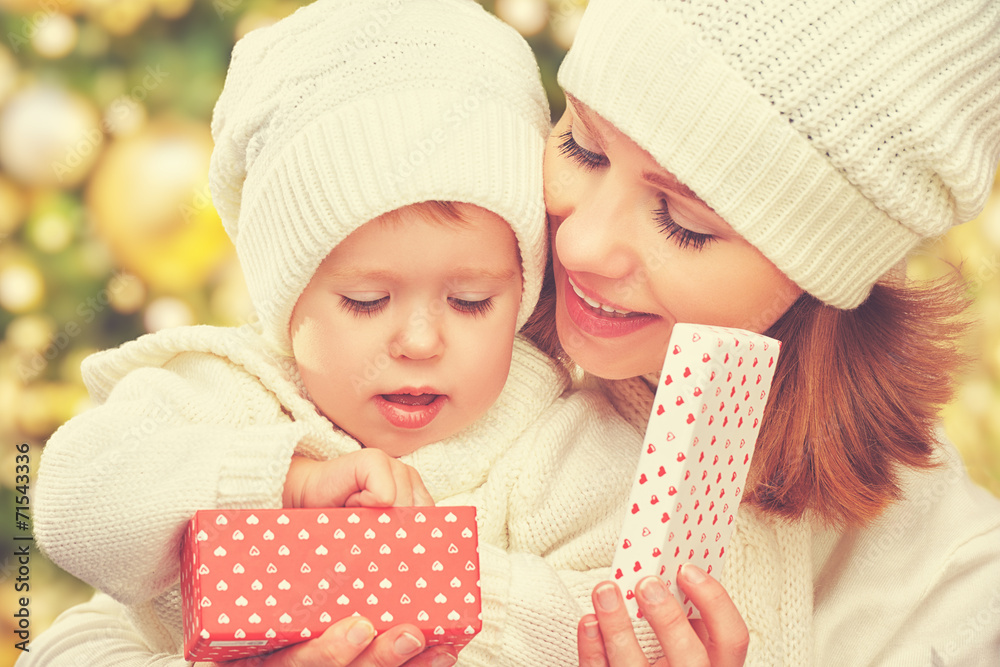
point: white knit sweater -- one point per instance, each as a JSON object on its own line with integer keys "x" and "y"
{"x": 203, "y": 417}
{"x": 920, "y": 586}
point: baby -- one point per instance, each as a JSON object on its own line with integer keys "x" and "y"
{"x": 378, "y": 167}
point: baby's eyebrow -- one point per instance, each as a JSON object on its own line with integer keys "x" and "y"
{"x": 387, "y": 276}
{"x": 499, "y": 275}
{"x": 355, "y": 272}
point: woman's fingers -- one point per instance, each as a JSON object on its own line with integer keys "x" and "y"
{"x": 436, "y": 656}
{"x": 719, "y": 640}
{"x": 392, "y": 648}
{"x": 620, "y": 644}
{"x": 338, "y": 646}
{"x": 681, "y": 645}
{"x": 351, "y": 642}
{"x": 590, "y": 646}
{"x": 723, "y": 630}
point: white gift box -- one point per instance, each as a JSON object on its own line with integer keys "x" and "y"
{"x": 699, "y": 442}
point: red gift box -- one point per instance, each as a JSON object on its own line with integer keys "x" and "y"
{"x": 256, "y": 580}
{"x": 699, "y": 442}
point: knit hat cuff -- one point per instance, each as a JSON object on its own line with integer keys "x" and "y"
{"x": 338, "y": 173}
{"x": 655, "y": 80}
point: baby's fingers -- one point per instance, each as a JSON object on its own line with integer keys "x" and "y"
{"x": 419, "y": 493}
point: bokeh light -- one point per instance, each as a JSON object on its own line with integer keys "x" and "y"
{"x": 107, "y": 230}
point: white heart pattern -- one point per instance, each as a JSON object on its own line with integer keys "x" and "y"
{"x": 295, "y": 588}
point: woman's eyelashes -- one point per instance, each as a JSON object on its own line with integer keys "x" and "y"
{"x": 370, "y": 308}
{"x": 589, "y": 160}
{"x": 683, "y": 237}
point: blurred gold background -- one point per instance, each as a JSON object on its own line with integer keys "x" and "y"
{"x": 107, "y": 230}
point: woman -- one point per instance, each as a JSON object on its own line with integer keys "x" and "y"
{"x": 768, "y": 166}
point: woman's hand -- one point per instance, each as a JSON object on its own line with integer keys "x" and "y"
{"x": 719, "y": 639}
{"x": 352, "y": 641}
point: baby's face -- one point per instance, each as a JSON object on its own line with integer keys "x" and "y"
{"x": 404, "y": 335}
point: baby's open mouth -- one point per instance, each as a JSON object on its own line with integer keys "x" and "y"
{"x": 410, "y": 399}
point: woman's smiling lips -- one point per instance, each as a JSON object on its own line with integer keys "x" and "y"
{"x": 600, "y": 319}
{"x": 410, "y": 408}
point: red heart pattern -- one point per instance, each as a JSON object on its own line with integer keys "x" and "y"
{"x": 253, "y": 581}
{"x": 682, "y": 429}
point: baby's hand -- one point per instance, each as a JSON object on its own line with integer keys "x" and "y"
{"x": 366, "y": 478}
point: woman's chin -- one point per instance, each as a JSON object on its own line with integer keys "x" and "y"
{"x": 610, "y": 359}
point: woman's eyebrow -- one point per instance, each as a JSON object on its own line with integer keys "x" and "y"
{"x": 586, "y": 117}
{"x": 666, "y": 182}
{"x": 672, "y": 184}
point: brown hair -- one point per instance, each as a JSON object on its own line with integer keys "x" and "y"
{"x": 432, "y": 210}
{"x": 856, "y": 394}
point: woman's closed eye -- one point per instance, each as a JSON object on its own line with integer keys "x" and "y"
{"x": 587, "y": 159}
{"x": 683, "y": 237}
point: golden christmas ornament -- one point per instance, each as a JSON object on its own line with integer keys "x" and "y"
{"x": 150, "y": 202}
{"x": 119, "y": 17}
{"x": 49, "y": 137}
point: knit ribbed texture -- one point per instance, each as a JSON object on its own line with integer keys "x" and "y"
{"x": 549, "y": 472}
{"x": 833, "y": 135}
{"x": 349, "y": 109}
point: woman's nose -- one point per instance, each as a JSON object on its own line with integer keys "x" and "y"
{"x": 420, "y": 336}
{"x": 596, "y": 237}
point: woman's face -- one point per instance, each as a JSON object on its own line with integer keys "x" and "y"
{"x": 634, "y": 251}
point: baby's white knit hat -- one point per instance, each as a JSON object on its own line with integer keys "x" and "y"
{"x": 348, "y": 109}
{"x": 834, "y": 135}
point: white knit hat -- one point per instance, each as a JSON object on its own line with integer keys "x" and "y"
{"x": 348, "y": 109}
{"x": 834, "y": 135}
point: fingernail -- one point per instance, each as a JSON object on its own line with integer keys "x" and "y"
{"x": 443, "y": 660}
{"x": 692, "y": 573}
{"x": 591, "y": 629}
{"x": 607, "y": 597}
{"x": 652, "y": 589}
{"x": 406, "y": 644}
{"x": 360, "y": 633}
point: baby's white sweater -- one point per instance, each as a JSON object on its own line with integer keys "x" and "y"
{"x": 206, "y": 417}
